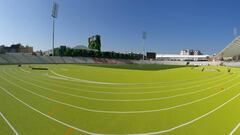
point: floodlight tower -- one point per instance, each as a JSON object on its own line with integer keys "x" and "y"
{"x": 54, "y": 16}
{"x": 235, "y": 32}
{"x": 144, "y": 36}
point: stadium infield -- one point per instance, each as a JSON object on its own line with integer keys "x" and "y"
{"x": 119, "y": 99}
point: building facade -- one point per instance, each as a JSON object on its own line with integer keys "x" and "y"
{"x": 190, "y": 52}
{"x": 17, "y": 48}
{"x": 151, "y": 55}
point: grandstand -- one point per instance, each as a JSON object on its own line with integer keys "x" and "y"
{"x": 3, "y": 61}
{"x": 68, "y": 60}
{"x": 20, "y": 58}
{"x": 45, "y": 59}
{"x": 224, "y": 57}
{"x": 231, "y": 51}
{"x": 10, "y": 58}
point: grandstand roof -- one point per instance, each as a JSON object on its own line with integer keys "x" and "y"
{"x": 232, "y": 49}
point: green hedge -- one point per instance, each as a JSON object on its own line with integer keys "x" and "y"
{"x": 92, "y": 53}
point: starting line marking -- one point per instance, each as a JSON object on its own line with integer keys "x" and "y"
{"x": 235, "y": 129}
{"x": 9, "y": 124}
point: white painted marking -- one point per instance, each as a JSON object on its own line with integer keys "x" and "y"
{"x": 123, "y": 100}
{"x": 25, "y": 71}
{"x": 176, "y": 81}
{"x": 116, "y": 112}
{"x": 104, "y": 92}
{"x": 56, "y": 77}
{"x": 88, "y": 81}
{"x": 194, "y": 120}
{"x": 34, "y": 109}
{"x": 141, "y": 84}
{"x": 235, "y": 129}
{"x": 9, "y": 124}
{"x": 124, "y": 84}
{"x": 137, "y": 84}
{"x": 148, "y": 133}
{"x": 147, "y": 92}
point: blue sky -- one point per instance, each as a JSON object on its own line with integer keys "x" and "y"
{"x": 171, "y": 25}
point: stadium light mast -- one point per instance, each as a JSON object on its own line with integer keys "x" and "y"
{"x": 235, "y": 32}
{"x": 144, "y": 36}
{"x": 54, "y": 16}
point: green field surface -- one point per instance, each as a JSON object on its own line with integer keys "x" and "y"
{"x": 119, "y": 99}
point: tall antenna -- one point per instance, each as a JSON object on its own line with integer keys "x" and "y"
{"x": 144, "y": 36}
{"x": 54, "y": 16}
{"x": 235, "y": 32}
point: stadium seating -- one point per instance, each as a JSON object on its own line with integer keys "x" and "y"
{"x": 57, "y": 59}
{"x": 3, "y": 61}
{"x": 232, "y": 64}
{"x": 89, "y": 60}
{"x": 10, "y": 59}
{"x": 79, "y": 60}
{"x": 20, "y": 58}
{"x": 45, "y": 59}
{"x": 68, "y": 60}
{"x": 33, "y": 59}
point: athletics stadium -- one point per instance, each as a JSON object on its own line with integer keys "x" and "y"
{"x": 89, "y": 91}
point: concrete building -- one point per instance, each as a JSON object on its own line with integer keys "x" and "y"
{"x": 17, "y": 48}
{"x": 190, "y": 52}
{"x": 151, "y": 55}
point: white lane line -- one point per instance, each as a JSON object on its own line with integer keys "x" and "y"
{"x": 134, "y": 84}
{"x": 123, "y": 100}
{"x": 149, "y": 92}
{"x": 147, "y": 133}
{"x": 114, "y": 112}
{"x": 162, "y": 91}
{"x": 9, "y": 124}
{"x": 182, "y": 84}
{"x": 235, "y": 129}
{"x": 25, "y": 71}
{"x": 88, "y": 81}
{"x": 36, "y": 110}
{"x": 192, "y": 121}
{"x": 160, "y": 86}
{"x": 178, "y": 81}
{"x": 56, "y": 77}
